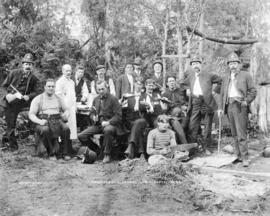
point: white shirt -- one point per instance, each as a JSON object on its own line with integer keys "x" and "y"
{"x": 65, "y": 89}
{"x": 131, "y": 82}
{"x": 197, "y": 90}
{"x": 233, "y": 91}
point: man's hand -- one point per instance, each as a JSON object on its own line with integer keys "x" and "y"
{"x": 10, "y": 97}
{"x": 220, "y": 112}
{"x": 164, "y": 106}
{"x": 42, "y": 122}
{"x": 26, "y": 97}
{"x": 95, "y": 118}
{"x": 83, "y": 99}
{"x": 105, "y": 123}
{"x": 244, "y": 103}
{"x": 65, "y": 116}
{"x": 164, "y": 151}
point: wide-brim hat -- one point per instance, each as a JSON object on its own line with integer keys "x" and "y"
{"x": 195, "y": 59}
{"x": 100, "y": 67}
{"x": 28, "y": 58}
{"x": 233, "y": 57}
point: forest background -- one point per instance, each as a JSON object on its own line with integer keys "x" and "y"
{"x": 117, "y": 31}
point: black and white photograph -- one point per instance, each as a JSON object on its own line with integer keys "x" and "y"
{"x": 134, "y": 107}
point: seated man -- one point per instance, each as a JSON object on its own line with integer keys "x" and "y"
{"x": 134, "y": 122}
{"x": 45, "y": 112}
{"x": 149, "y": 108}
{"x": 176, "y": 98}
{"x": 161, "y": 139}
{"x": 107, "y": 120}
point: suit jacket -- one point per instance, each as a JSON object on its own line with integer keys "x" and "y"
{"x": 158, "y": 81}
{"x": 123, "y": 86}
{"x": 206, "y": 82}
{"x": 245, "y": 86}
{"x": 32, "y": 87}
{"x": 109, "y": 109}
{"x": 177, "y": 96}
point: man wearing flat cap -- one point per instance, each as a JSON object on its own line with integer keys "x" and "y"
{"x": 102, "y": 76}
{"x": 237, "y": 92}
{"x": 22, "y": 86}
{"x": 202, "y": 103}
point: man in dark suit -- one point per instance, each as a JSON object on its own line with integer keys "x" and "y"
{"x": 150, "y": 108}
{"x": 125, "y": 83}
{"x": 237, "y": 92}
{"x": 202, "y": 103}
{"x": 177, "y": 99}
{"x": 158, "y": 76}
{"x": 107, "y": 119}
{"x": 82, "y": 93}
{"x": 22, "y": 86}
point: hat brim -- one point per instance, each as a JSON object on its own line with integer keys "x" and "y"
{"x": 233, "y": 61}
{"x": 195, "y": 61}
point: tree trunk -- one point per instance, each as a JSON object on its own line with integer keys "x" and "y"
{"x": 164, "y": 46}
{"x": 201, "y": 28}
{"x": 239, "y": 42}
{"x": 180, "y": 42}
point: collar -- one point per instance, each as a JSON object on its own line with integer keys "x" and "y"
{"x": 103, "y": 96}
{"x": 26, "y": 74}
{"x": 158, "y": 75}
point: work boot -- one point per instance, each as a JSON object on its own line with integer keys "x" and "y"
{"x": 130, "y": 150}
{"x": 245, "y": 163}
{"x": 106, "y": 159}
{"x": 67, "y": 158}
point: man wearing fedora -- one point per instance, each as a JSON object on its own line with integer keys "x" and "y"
{"x": 201, "y": 103}
{"x": 22, "y": 86}
{"x": 102, "y": 76}
{"x": 237, "y": 92}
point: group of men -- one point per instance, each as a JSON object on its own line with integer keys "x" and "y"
{"x": 131, "y": 107}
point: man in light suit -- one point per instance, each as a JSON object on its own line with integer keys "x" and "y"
{"x": 202, "y": 103}
{"x": 237, "y": 92}
{"x": 125, "y": 83}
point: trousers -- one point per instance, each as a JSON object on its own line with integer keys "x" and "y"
{"x": 238, "y": 118}
{"x": 45, "y": 136}
{"x": 109, "y": 133}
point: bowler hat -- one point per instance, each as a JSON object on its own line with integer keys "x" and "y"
{"x": 100, "y": 67}
{"x": 158, "y": 61}
{"x": 87, "y": 155}
{"x": 195, "y": 59}
{"x": 233, "y": 57}
{"x": 28, "y": 58}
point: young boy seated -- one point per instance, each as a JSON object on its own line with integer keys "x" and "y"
{"x": 160, "y": 139}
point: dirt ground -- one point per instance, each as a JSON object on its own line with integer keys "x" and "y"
{"x": 36, "y": 186}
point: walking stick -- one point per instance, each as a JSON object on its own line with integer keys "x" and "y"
{"x": 219, "y": 133}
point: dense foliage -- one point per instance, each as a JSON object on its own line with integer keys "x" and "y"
{"x": 121, "y": 30}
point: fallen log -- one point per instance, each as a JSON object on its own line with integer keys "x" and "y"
{"x": 223, "y": 41}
